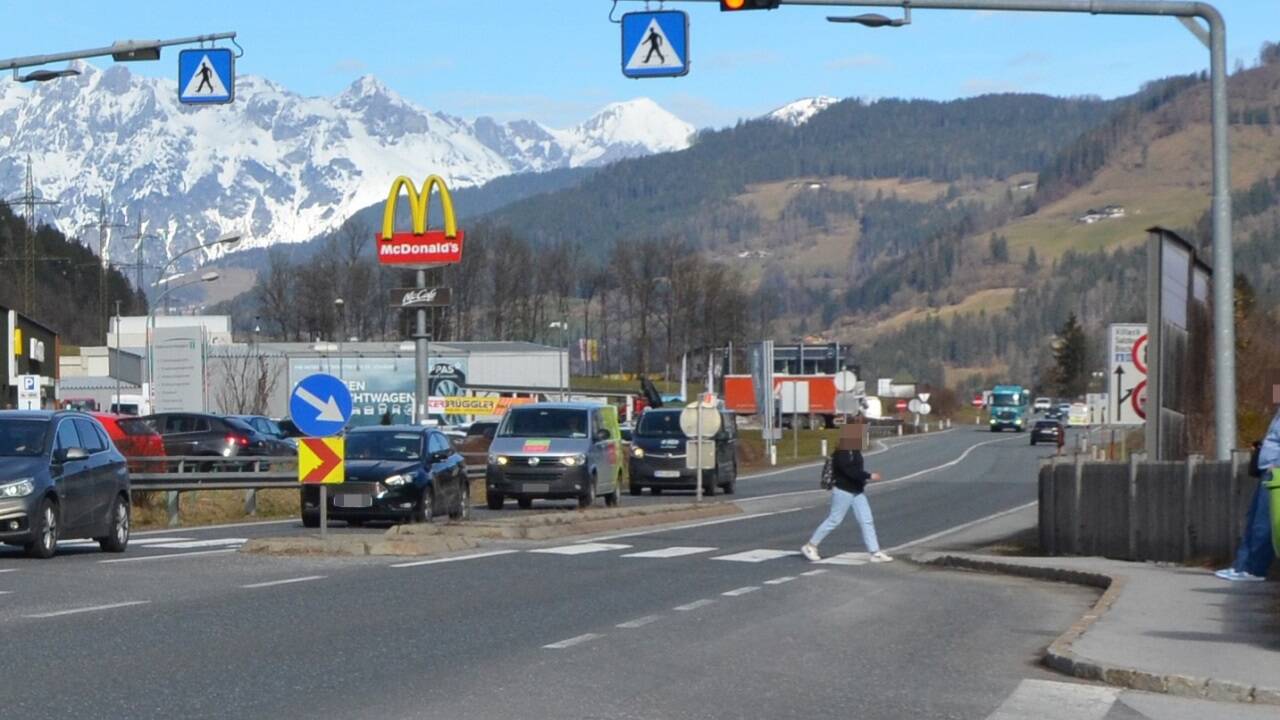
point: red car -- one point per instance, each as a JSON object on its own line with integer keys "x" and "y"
{"x": 135, "y": 439}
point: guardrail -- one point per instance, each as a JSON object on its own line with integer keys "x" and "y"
{"x": 176, "y": 474}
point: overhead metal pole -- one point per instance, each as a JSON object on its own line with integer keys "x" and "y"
{"x": 1224, "y": 334}
{"x": 123, "y": 47}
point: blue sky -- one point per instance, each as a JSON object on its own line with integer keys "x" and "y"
{"x": 557, "y": 61}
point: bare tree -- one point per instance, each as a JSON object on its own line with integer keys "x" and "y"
{"x": 249, "y": 380}
{"x": 275, "y": 294}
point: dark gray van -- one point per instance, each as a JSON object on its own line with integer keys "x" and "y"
{"x": 660, "y": 449}
{"x": 555, "y": 451}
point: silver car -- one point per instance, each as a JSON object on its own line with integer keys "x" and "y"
{"x": 555, "y": 451}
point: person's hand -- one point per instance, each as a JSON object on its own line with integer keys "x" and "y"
{"x": 875, "y": 477}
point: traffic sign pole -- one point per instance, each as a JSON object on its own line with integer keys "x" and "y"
{"x": 324, "y": 511}
{"x": 699, "y": 444}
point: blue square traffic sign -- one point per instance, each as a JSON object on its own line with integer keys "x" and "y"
{"x": 655, "y": 44}
{"x": 206, "y": 76}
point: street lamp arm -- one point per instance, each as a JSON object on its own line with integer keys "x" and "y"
{"x": 124, "y": 46}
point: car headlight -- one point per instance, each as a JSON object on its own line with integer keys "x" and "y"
{"x": 1019, "y": 421}
{"x": 17, "y": 488}
{"x": 637, "y": 452}
{"x": 498, "y": 460}
{"x": 398, "y": 480}
{"x": 573, "y": 460}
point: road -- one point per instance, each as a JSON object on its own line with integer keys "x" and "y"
{"x": 711, "y": 619}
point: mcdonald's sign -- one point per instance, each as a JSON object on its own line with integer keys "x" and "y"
{"x": 420, "y": 246}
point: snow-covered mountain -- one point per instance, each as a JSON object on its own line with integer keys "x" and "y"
{"x": 802, "y": 111}
{"x": 274, "y": 165}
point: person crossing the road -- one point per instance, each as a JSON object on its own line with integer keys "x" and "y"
{"x": 848, "y": 492}
{"x": 1256, "y": 553}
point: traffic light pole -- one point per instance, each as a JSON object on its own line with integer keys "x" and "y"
{"x": 1215, "y": 38}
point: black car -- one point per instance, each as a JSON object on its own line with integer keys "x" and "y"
{"x": 60, "y": 477}
{"x": 210, "y": 435}
{"x": 659, "y": 452}
{"x": 280, "y": 442}
{"x": 395, "y": 473}
{"x": 1046, "y": 430}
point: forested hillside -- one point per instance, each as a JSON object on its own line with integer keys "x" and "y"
{"x": 66, "y": 274}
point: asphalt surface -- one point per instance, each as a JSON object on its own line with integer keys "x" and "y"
{"x": 711, "y": 619}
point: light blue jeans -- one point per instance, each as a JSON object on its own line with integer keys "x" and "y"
{"x": 841, "y": 502}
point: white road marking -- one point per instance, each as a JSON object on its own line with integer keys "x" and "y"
{"x": 702, "y": 523}
{"x": 757, "y": 556}
{"x": 580, "y": 549}
{"x": 94, "y": 608}
{"x": 884, "y": 447}
{"x": 964, "y": 526}
{"x": 169, "y": 556}
{"x": 740, "y": 591}
{"x": 472, "y": 556}
{"x": 670, "y": 552}
{"x": 132, "y": 541}
{"x": 5, "y": 570}
{"x": 1048, "y": 700}
{"x": 290, "y": 581}
{"x": 811, "y": 573}
{"x": 885, "y": 483}
{"x": 849, "y": 558}
{"x": 214, "y": 542}
{"x": 6, "y": 592}
{"x": 694, "y": 605}
{"x": 226, "y": 526}
{"x": 779, "y": 581}
{"x": 587, "y": 637}
{"x": 639, "y": 622}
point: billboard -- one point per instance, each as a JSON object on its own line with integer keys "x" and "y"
{"x": 421, "y": 247}
{"x": 177, "y": 369}
{"x": 381, "y": 386}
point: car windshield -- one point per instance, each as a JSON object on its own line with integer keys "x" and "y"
{"x": 545, "y": 422}
{"x": 1006, "y": 400}
{"x": 658, "y": 423}
{"x": 481, "y": 428}
{"x": 22, "y": 438}
{"x": 1048, "y": 424}
{"x": 384, "y": 445}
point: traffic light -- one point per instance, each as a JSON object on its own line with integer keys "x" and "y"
{"x": 736, "y": 5}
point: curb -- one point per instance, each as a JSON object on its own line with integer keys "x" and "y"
{"x": 550, "y": 526}
{"x": 1061, "y": 657}
{"x": 355, "y": 546}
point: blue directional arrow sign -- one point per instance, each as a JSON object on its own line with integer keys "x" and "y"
{"x": 320, "y": 405}
{"x": 655, "y": 44}
{"x": 206, "y": 76}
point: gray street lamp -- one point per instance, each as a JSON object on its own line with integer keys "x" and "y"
{"x": 563, "y": 326}
{"x": 120, "y": 51}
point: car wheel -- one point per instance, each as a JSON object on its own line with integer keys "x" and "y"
{"x": 655, "y": 491}
{"x": 732, "y": 486}
{"x": 118, "y": 539}
{"x": 1033, "y": 442}
{"x": 524, "y": 503}
{"x": 463, "y": 510}
{"x": 635, "y": 489}
{"x": 708, "y": 488}
{"x": 588, "y": 498}
{"x": 426, "y": 507}
{"x": 311, "y": 519}
{"x": 493, "y": 501}
{"x": 615, "y": 497}
{"x": 355, "y": 523}
{"x": 45, "y": 532}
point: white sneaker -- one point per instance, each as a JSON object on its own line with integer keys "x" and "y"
{"x": 1246, "y": 577}
{"x": 810, "y": 552}
{"x": 879, "y": 557}
{"x": 1226, "y": 574}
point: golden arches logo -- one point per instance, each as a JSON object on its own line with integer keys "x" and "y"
{"x": 421, "y": 246}
{"x": 419, "y": 206}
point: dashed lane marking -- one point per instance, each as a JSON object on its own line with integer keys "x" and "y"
{"x": 290, "y": 581}
{"x": 640, "y": 622}
{"x": 811, "y": 573}
{"x": 1048, "y": 700}
{"x": 694, "y": 605}
{"x": 779, "y": 581}
{"x": 578, "y": 640}
{"x": 458, "y": 558}
{"x": 93, "y": 608}
{"x": 215, "y": 542}
{"x": 169, "y": 556}
{"x": 740, "y": 591}
{"x": 689, "y": 526}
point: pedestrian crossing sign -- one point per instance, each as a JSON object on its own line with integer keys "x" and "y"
{"x": 655, "y": 44}
{"x": 206, "y": 76}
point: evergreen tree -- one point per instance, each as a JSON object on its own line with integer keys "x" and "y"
{"x": 999, "y": 246}
{"x": 1033, "y": 263}
{"x": 1071, "y": 358}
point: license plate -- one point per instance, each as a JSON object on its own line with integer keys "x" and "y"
{"x": 351, "y": 500}
{"x": 536, "y": 487}
{"x": 666, "y": 473}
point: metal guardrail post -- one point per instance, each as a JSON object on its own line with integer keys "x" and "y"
{"x": 251, "y": 502}
{"x": 1077, "y": 492}
{"x": 1134, "y": 461}
{"x": 173, "y": 506}
{"x": 1188, "y": 529}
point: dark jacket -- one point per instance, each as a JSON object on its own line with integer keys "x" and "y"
{"x": 849, "y": 474}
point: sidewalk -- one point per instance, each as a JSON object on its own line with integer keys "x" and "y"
{"x": 1157, "y": 628}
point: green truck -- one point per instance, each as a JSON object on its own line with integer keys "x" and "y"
{"x": 1009, "y": 407}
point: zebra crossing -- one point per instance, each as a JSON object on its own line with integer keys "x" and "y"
{"x": 753, "y": 556}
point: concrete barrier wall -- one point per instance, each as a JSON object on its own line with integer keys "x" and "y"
{"x": 1147, "y": 511}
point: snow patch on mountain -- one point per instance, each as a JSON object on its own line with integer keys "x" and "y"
{"x": 274, "y": 165}
{"x": 802, "y": 111}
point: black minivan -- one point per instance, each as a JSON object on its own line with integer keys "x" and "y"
{"x": 60, "y": 477}
{"x": 659, "y": 455}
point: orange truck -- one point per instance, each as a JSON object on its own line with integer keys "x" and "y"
{"x": 807, "y": 399}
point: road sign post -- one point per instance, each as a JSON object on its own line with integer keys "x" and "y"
{"x": 1127, "y": 373}
{"x": 322, "y": 461}
{"x": 700, "y": 420}
{"x": 320, "y": 407}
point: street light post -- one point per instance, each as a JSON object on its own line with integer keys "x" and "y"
{"x": 342, "y": 331}
{"x": 562, "y": 361}
{"x": 120, "y": 51}
{"x": 1215, "y": 38}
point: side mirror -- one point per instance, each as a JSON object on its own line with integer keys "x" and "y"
{"x": 71, "y": 454}
{"x": 603, "y": 435}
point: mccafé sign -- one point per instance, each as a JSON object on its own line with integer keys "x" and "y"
{"x": 420, "y": 247}
{"x": 421, "y": 297}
